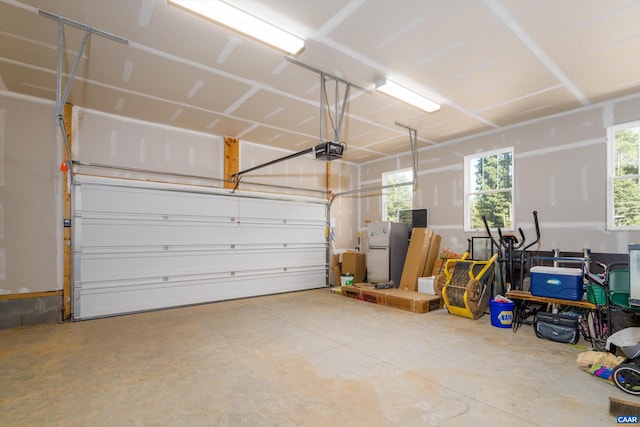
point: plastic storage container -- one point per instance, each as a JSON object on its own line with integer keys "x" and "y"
{"x": 425, "y": 285}
{"x": 628, "y": 340}
{"x": 346, "y": 279}
{"x": 557, "y": 282}
{"x": 501, "y": 313}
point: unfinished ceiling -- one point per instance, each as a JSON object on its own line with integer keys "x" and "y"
{"x": 489, "y": 63}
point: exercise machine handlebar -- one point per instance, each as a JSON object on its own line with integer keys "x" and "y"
{"x": 505, "y": 239}
{"x": 537, "y": 226}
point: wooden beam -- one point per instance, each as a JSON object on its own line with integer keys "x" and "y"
{"x": 231, "y": 159}
{"x": 66, "y": 212}
{"x": 30, "y": 295}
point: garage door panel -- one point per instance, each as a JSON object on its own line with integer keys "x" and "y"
{"x": 280, "y": 210}
{"x": 138, "y": 233}
{"x": 107, "y": 299}
{"x": 134, "y": 200}
{"x": 125, "y": 265}
{"x": 142, "y": 246}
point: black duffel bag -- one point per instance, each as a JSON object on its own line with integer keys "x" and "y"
{"x": 558, "y": 327}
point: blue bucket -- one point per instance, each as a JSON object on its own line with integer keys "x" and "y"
{"x": 501, "y": 313}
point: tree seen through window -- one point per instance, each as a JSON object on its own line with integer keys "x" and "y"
{"x": 396, "y": 199}
{"x": 626, "y": 180}
{"x": 490, "y": 190}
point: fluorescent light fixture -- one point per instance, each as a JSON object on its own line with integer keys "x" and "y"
{"x": 405, "y": 95}
{"x": 243, "y": 22}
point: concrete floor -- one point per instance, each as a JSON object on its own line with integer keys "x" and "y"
{"x": 301, "y": 359}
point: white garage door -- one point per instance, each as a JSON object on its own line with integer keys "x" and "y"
{"x": 142, "y": 246}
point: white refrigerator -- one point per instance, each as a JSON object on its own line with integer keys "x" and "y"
{"x": 388, "y": 243}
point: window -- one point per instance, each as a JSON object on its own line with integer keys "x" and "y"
{"x": 623, "y": 183}
{"x": 488, "y": 189}
{"x": 399, "y": 198}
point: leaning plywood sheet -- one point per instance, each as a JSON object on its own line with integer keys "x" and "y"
{"x": 432, "y": 256}
{"x": 416, "y": 258}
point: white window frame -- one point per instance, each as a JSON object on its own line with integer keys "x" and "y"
{"x": 469, "y": 181}
{"x": 385, "y": 181}
{"x": 611, "y": 176}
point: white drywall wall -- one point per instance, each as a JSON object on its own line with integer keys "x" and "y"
{"x": 30, "y": 200}
{"x": 560, "y": 172}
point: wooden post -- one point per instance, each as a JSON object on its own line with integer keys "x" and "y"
{"x": 66, "y": 212}
{"x": 231, "y": 159}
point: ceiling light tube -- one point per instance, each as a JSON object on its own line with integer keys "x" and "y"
{"x": 405, "y": 95}
{"x": 243, "y": 22}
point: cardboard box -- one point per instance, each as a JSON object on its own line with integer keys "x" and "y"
{"x": 356, "y": 264}
{"x": 375, "y": 296}
{"x": 442, "y": 263}
{"x": 412, "y": 301}
{"x": 399, "y": 301}
{"x": 421, "y": 257}
{"x": 369, "y": 293}
{"x": 351, "y": 292}
{"x": 416, "y": 258}
{"x": 430, "y": 303}
{"x": 364, "y": 285}
{"x": 359, "y": 291}
{"x": 438, "y": 265}
{"x": 432, "y": 256}
{"x": 334, "y": 276}
{"x": 396, "y": 298}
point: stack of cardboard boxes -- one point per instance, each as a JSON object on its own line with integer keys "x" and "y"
{"x": 355, "y": 263}
{"x": 420, "y": 260}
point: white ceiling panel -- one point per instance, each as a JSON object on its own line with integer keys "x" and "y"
{"x": 597, "y": 48}
{"x": 550, "y": 102}
{"x": 279, "y": 111}
{"x": 490, "y": 64}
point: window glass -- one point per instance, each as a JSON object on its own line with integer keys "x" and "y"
{"x": 489, "y": 189}
{"x": 396, "y": 199}
{"x": 623, "y": 189}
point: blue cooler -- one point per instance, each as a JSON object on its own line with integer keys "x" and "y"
{"x": 557, "y": 282}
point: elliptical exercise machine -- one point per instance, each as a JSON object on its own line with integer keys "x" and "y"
{"x": 507, "y": 245}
